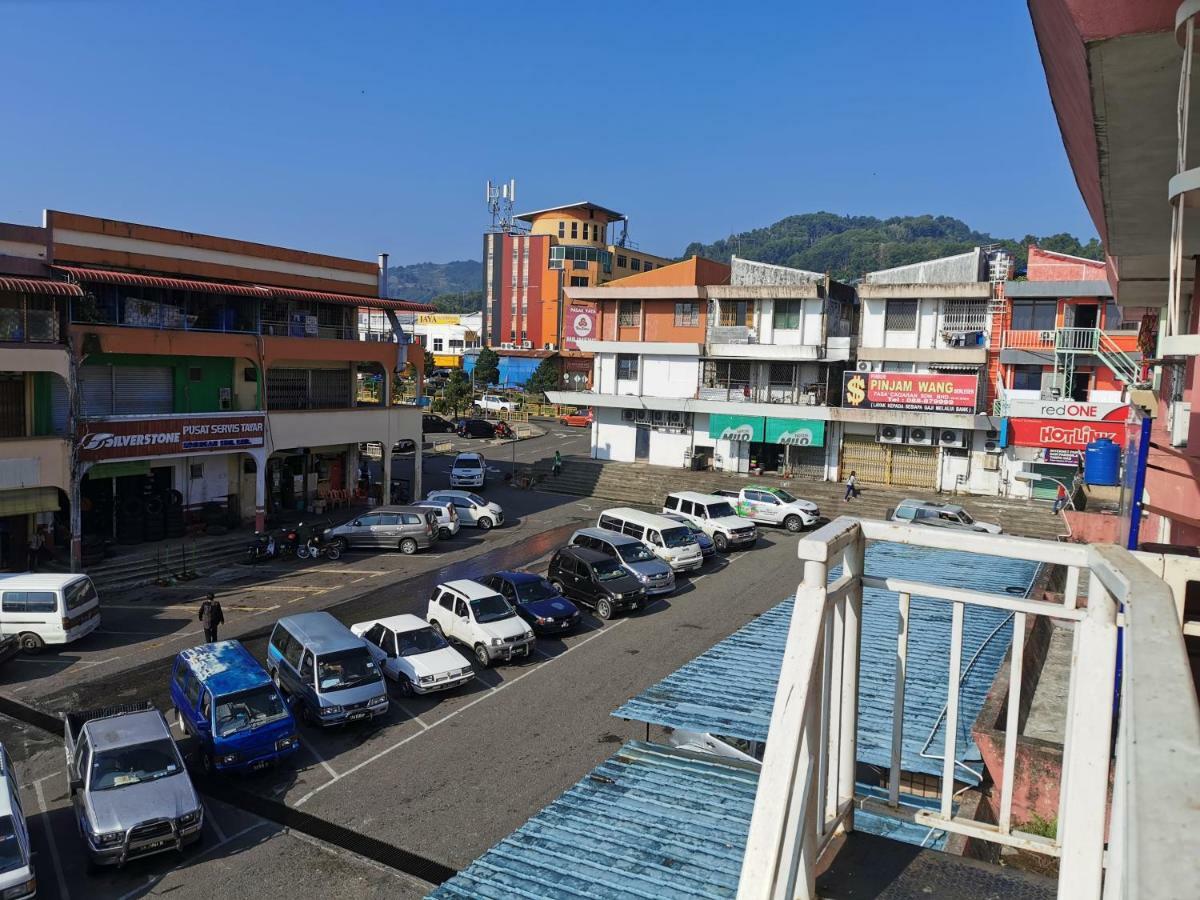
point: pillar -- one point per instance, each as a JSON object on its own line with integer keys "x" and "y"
{"x": 418, "y": 490}
{"x": 386, "y": 459}
{"x": 76, "y": 500}
{"x": 260, "y": 490}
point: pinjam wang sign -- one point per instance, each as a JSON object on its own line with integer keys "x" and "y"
{"x": 933, "y": 392}
{"x": 134, "y": 438}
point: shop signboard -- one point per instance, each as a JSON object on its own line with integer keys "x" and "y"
{"x": 735, "y": 428}
{"x": 103, "y": 439}
{"x": 579, "y": 324}
{"x": 1061, "y": 457}
{"x": 933, "y": 392}
{"x": 1023, "y": 408}
{"x": 1063, "y": 435}
{"x": 796, "y": 432}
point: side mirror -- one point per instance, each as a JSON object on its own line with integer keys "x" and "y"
{"x": 203, "y": 725}
{"x": 356, "y": 523}
{"x": 74, "y": 784}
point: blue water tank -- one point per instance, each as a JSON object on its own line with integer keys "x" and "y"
{"x": 1102, "y": 462}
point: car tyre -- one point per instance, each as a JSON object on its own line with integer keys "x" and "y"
{"x": 32, "y": 643}
{"x": 604, "y": 609}
{"x": 408, "y": 546}
{"x": 437, "y": 626}
{"x": 404, "y": 685}
{"x": 793, "y": 524}
{"x": 721, "y": 542}
{"x": 444, "y": 533}
{"x": 207, "y": 763}
{"x": 481, "y": 656}
{"x": 334, "y": 550}
{"x": 484, "y": 524}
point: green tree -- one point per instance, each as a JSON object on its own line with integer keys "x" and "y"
{"x": 428, "y": 362}
{"x": 457, "y": 394}
{"x": 487, "y": 367}
{"x": 545, "y": 377}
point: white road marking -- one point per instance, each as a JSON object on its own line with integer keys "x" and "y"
{"x": 283, "y": 587}
{"x": 317, "y": 756}
{"x": 412, "y": 715}
{"x": 491, "y": 693}
{"x": 138, "y": 891}
{"x": 58, "y": 869}
{"x": 212, "y": 820}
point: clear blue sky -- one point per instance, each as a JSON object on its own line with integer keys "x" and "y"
{"x": 351, "y": 128}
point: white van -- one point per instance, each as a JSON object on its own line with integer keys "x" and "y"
{"x": 715, "y": 516}
{"x": 670, "y": 541}
{"x": 48, "y": 608}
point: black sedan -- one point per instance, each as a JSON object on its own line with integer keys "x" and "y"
{"x": 475, "y": 428}
{"x": 434, "y": 424}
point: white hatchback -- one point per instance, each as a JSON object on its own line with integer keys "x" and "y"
{"x": 414, "y": 655}
{"x": 472, "y": 509}
{"x": 477, "y": 617}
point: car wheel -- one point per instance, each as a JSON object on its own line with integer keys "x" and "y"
{"x": 481, "y": 655}
{"x": 334, "y": 550}
{"x": 31, "y": 643}
{"x": 604, "y": 609}
{"x": 207, "y": 763}
{"x": 793, "y": 523}
{"x": 721, "y": 542}
{"x": 404, "y": 685}
{"x": 444, "y": 533}
{"x": 437, "y": 626}
{"x": 484, "y": 524}
{"x": 558, "y": 585}
{"x": 306, "y": 715}
{"x": 408, "y": 546}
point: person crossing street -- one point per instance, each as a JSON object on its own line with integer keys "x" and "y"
{"x": 211, "y": 617}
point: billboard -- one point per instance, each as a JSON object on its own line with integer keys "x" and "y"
{"x": 735, "y": 428}
{"x": 904, "y": 391}
{"x": 1062, "y": 434}
{"x": 130, "y": 438}
{"x": 579, "y": 324}
{"x": 1023, "y": 408}
{"x": 796, "y": 432}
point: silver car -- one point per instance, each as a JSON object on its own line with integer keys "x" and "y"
{"x": 406, "y": 528}
{"x": 940, "y": 515}
{"x": 636, "y": 558}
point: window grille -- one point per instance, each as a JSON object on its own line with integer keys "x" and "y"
{"x": 629, "y": 313}
{"x": 901, "y": 315}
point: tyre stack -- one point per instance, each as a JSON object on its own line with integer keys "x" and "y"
{"x": 214, "y": 519}
{"x": 173, "y": 517}
{"x": 130, "y": 521}
{"x": 154, "y": 511}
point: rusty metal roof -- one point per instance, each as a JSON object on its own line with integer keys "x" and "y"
{"x": 40, "y": 286}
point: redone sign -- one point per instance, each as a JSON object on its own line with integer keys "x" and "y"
{"x": 1063, "y": 409}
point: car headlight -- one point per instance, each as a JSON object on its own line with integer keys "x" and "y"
{"x": 644, "y": 579}
{"x": 330, "y": 710}
{"x": 497, "y": 642}
{"x": 618, "y": 596}
{"x": 20, "y": 890}
{"x": 229, "y": 759}
{"x": 190, "y": 818}
{"x": 108, "y": 838}
{"x": 381, "y": 700}
{"x": 528, "y": 634}
{"x": 426, "y": 679}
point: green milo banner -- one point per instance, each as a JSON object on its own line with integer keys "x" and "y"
{"x": 796, "y": 432}
{"x": 735, "y": 428}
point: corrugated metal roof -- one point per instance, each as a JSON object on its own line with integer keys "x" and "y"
{"x": 40, "y": 286}
{"x": 650, "y": 822}
{"x": 730, "y": 689}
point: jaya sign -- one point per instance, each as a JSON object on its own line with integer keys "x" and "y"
{"x": 579, "y": 324}
{"x": 796, "y": 432}
{"x": 933, "y": 392}
{"x": 1062, "y": 409}
{"x": 129, "y": 438}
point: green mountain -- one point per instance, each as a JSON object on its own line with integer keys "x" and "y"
{"x": 424, "y": 281}
{"x": 850, "y": 246}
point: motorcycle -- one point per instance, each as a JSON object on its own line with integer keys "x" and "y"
{"x": 262, "y": 547}
{"x": 503, "y": 430}
{"x": 315, "y": 546}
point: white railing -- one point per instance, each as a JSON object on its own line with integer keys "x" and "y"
{"x": 806, "y": 789}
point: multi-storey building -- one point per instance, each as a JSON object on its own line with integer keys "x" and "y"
{"x": 705, "y": 365}
{"x": 155, "y": 370}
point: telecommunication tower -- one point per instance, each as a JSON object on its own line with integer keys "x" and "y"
{"x": 500, "y": 199}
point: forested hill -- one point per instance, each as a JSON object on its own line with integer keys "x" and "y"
{"x": 850, "y": 246}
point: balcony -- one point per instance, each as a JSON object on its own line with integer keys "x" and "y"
{"x": 805, "y": 395}
{"x": 314, "y": 428}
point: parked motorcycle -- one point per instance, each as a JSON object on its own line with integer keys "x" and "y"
{"x": 503, "y": 430}
{"x": 289, "y": 541}
{"x": 315, "y": 546}
{"x": 262, "y": 547}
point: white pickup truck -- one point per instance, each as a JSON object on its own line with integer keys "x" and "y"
{"x": 773, "y": 506}
{"x": 497, "y": 403}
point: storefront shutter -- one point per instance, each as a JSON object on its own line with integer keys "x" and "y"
{"x": 60, "y": 405}
{"x": 143, "y": 390}
{"x": 95, "y": 390}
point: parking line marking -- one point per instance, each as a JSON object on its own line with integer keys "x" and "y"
{"x": 58, "y": 870}
{"x": 192, "y": 859}
{"x": 283, "y": 587}
{"x": 212, "y": 820}
{"x": 317, "y": 756}
{"x": 409, "y": 713}
{"x": 491, "y": 693}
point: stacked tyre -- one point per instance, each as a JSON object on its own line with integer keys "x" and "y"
{"x": 214, "y": 519}
{"x": 130, "y": 521}
{"x": 154, "y": 511}
{"x": 173, "y": 517}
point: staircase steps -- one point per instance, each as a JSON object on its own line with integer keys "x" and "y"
{"x": 149, "y": 562}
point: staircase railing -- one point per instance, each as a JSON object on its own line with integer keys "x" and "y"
{"x": 805, "y": 796}
{"x": 1101, "y": 344}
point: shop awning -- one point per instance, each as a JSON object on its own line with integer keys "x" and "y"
{"x": 24, "y": 501}
{"x": 349, "y": 299}
{"x": 104, "y": 276}
{"x": 40, "y": 286}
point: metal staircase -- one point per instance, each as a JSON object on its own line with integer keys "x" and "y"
{"x": 1071, "y": 342}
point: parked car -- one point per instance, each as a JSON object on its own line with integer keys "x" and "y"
{"x": 404, "y": 445}
{"x": 468, "y": 470}
{"x": 580, "y": 418}
{"x": 651, "y": 572}
{"x": 48, "y": 609}
{"x": 435, "y": 424}
{"x": 940, "y": 515}
{"x": 17, "y": 879}
{"x": 707, "y": 548}
{"x": 326, "y": 669}
{"x": 497, "y": 403}
{"x": 130, "y": 790}
{"x": 773, "y": 506}
{"x": 479, "y": 618}
{"x": 475, "y": 428}
{"x": 10, "y": 646}
{"x": 228, "y": 703}
{"x": 412, "y": 653}
{"x": 596, "y": 580}
{"x": 536, "y": 601}
{"x": 447, "y": 518}
{"x": 716, "y": 516}
{"x": 407, "y": 528}
{"x": 472, "y": 509}
{"x": 665, "y": 538}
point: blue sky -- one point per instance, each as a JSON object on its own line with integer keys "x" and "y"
{"x": 351, "y": 128}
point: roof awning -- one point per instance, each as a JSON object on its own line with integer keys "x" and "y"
{"x": 26, "y": 501}
{"x": 40, "y": 286}
{"x": 349, "y": 299}
{"x": 104, "y": 276}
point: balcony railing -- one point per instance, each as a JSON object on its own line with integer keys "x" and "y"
{"x": 809, "y": 395}
{"x": 1029, "y": 340}
{"x": 805, "y": 793}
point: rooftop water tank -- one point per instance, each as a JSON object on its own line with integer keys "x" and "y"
{"x": 1102, "y": 462}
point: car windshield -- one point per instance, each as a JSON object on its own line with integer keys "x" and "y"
{"x": 965, "y": 517}
{"x": 536, "y": 590}
{"x": 720, "y": 510}
{"x": 476, "y": 499}
{"x": 133, "y": 765}
{"x": 347, "y": 669}
{"x": 423, "y": 640}
{"x": 632, "y": 553}
{"x": 79, "y": 593}
{"x": 248, "y": 709}
{"x": 608, "y": 570}
{"x": 677, "y": 537}
{"x": 491, "y": 608}
{"x": 467, "y": 462}
{"x": 783, "y": 495}
{"x": 10, "y": 847}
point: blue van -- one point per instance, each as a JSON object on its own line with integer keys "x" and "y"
{"x": 325, "y": 667}
{"x": 225, "y": 699}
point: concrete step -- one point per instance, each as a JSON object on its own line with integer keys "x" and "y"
{"x": 167, "y": 559}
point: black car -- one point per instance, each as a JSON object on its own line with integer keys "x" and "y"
{"x": 404, "y": 445}
{"x": 475, "y": 428}
{"x": 536, "y": 601}
{"x": 433, "y": 424}
{"x": 596, "y": 580}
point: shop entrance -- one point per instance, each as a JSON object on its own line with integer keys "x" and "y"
{"x": 889, "y": 464}
{"x": 130, "y": 502}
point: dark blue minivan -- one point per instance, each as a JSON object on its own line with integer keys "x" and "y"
{"x": 228, "y": 702}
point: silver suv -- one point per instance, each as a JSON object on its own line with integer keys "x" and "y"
{"x": 406, "y": 528}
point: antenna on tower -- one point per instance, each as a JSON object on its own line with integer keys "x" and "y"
{"x": 500, "y": 199}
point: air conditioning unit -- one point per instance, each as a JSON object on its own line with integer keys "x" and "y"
{"x": 627, "y": 415}
{"x": 865, "y": 365}
{"x": 991, "y": 463}
{"x": 890, "y": 434}
{"x": 1046, "y": 337}
{"x": 1179, "y": 420}
{"x": 992, "y": 446}
{"x": 658, "y": 416}
{"x": 526, "y": 345}
{"x": 674, "y": 417}
{"x": 919, "y": 434}
{"x": 507, "y": 345}
{"x": 993, "y": 434}
{"x": 951, "y": 437}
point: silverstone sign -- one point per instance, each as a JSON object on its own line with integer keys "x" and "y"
{"x": 103, "y": 439}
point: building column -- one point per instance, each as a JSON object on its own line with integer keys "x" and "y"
{"x": 76, "y": 500}
{"x": 386, "y": 459}
{"x": 260, "y": 490}
{"x": 416, "y": 489}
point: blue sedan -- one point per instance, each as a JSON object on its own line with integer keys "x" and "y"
{"x": 707, "y": 548}
{"x": 536, "y": 601}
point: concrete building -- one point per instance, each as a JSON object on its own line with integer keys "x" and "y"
{"x": 447, "y": 336}
{"x": 159, "y": 375}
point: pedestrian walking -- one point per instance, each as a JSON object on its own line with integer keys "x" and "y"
{"x": 1060, "y": 501}
{"x": 557, "y": 463}
{"x": 211, "y": 617}
{"x": 851, "y": 486}
{"x": 36, "y": 542}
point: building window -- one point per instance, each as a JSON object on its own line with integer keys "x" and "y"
{"x": 1027, "y": 378}
{"x": 437, "y": 345}
{"x": 733, "y": 313}
{"x": 899, "y": 367}
{"x": 901, "y": 315}
{"x": 648, "y": 266}
{"x": 1034, "y": 315}
{"x": 635, "y": 264}
{"x": 787, "y": 314}
{"x": 562, "y": 229}
{"x": 627, "y": 367}
{"x": 687, "y": 315}
{"x": 629, "y": 313}
{"x": 574, "y": 229}
{"x": 622, "y": 262}
{"x": 579, "y": 281}
{"x": 455, "y": 344}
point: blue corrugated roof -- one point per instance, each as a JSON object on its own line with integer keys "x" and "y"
{"x": 651, "y": 822}
{"x": 730, "y": 689}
